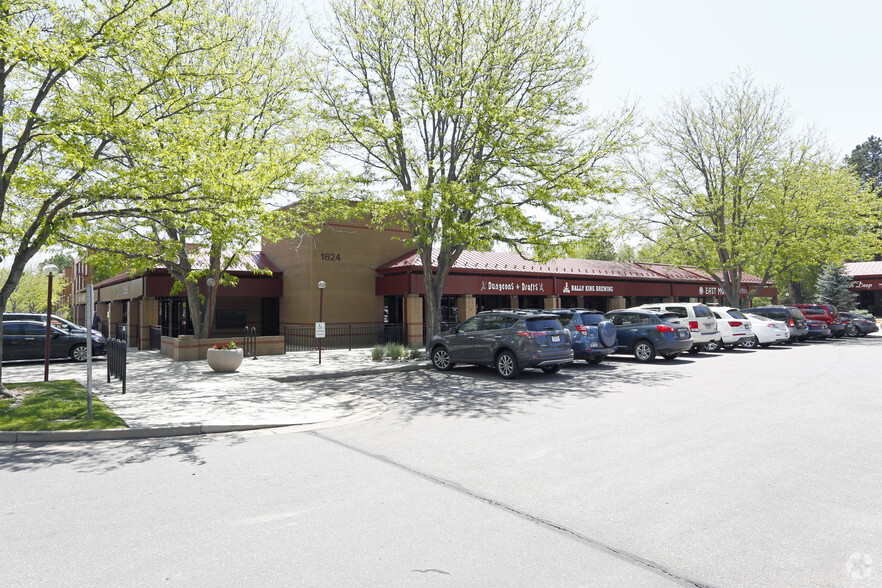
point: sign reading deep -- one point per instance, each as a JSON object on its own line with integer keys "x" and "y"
{"x": 320, "y": 330}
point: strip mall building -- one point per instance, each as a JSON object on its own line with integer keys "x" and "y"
{"x": 374, "y": 280}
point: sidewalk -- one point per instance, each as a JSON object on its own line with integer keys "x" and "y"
{"x": 167, "y": 398}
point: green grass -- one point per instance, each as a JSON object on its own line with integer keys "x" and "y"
{"x": 55, "y": 406}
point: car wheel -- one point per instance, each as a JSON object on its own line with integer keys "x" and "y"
{"x": 695, "y": 349}
{"x": 765, "y": 345}
{"x": 712, "y": 346}
{"x": 851, "y": 331}
{"x": 551, "y": 369}
{"x": 507, "y": 365}
{"x": 644, "y": 351}
{"x": 441, "y": 359}
{"x": 750, "y": 343}
{"x": 79, "y": 352}
{"x": 670, "y": 356}
{"x": 594, "y": 360}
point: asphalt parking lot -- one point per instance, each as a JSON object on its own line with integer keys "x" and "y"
{"x": 739, "y": 468}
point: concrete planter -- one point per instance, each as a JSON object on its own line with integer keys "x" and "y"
{"x": 225, "y": 360}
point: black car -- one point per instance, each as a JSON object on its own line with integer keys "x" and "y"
{"x": 593, "y": 337}
{"x": 645, "y": 333}
{"x": 789, "y": 315}
{"x": 509, "y": 340}
{"x": 858, "y": 325}
{"x": 27, "y": 340}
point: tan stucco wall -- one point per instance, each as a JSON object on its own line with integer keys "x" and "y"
{"x": 341, "y": 256}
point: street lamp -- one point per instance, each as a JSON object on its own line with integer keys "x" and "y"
{"x": 321, "y": 286}
{"x": 210, "y": 282}
{"x": 49, "y": 270}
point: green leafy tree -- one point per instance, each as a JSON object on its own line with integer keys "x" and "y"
{"x": 201, "y": 182}
{"x": 730, "y": 191}
{"x": 866, "y": 161}
{"x": 833, "y": 287}
{"x": 32, "y": 291}
{"x": 465, "y": 121}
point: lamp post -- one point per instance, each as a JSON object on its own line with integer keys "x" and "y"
{"x": 321, "y": 286}
{"x": 210, "y": 282}
{"x": 49, "y": 270}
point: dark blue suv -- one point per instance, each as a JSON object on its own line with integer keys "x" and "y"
{"x": 645, "y": 333}
{"x": 508, "y": 340}
{"x": 592, "y": 335}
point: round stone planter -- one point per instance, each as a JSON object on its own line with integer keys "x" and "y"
{"x": 225, "y": 360}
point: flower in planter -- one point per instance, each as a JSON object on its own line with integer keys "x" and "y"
{"x": 230, "y": 345}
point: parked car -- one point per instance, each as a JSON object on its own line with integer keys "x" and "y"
{"x": 733, "y": 325}
{"x": 509, "y": 340}
{"x": 826, "y": 313}
{"x": 592, "y": 336}
{"x": 858, "y": 325}
{"x": 697, "y": 317}
{"x": 789, "y": 315}
{"x": 766, "y": 331}
{"x": 27, "y": 340}
{"x": 57, "y": 321}
{"x": 645, "y": 333}
{"x": 817, "y": 330}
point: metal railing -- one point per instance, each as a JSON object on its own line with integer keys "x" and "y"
{"x": 249, "y": 342}
{"x": 116, "y": 361}
{"x": 299, "y": 338}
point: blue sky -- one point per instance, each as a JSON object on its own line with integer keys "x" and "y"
{"x": 824, "y": 56}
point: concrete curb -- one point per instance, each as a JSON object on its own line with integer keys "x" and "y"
{"x": 371, "y": 408}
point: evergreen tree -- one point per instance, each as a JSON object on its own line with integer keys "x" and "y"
{"x": 833, "y": 287}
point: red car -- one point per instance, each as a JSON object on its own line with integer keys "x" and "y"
{"x": 826, "y": 313}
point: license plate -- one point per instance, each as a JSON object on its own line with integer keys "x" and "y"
{"x": 555, "y": 338}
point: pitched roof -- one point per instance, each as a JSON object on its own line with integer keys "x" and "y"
{"x": 480, "y": 261}
{"x": 862, "y": 269}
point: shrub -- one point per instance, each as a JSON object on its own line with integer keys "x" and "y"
{"x": 414, "y": 352}
{"x": 395, "y": 350}
{"x": 378, "y": 352}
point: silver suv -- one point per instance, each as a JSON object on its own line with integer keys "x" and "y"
{"x": 509, "y": 340}
{"x": 697, "y": 317}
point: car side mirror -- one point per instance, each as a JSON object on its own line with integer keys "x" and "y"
{"x": 56, "y": 334}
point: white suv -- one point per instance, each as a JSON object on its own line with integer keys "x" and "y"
{"x": 698, "y": 317}
{"x": 734, "y": 327}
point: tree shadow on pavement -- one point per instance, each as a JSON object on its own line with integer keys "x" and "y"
{"x": 479, "y": 392}
{"x": 97, "y": 457}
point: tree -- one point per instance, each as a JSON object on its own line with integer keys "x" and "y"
{"x": 201, "y": 180}
{"x": 464, "y": 122}
{"x": 730, "y": 191}
{"x": 866, "y": 161}
{"x": 833, "y": 287}
{"x": 30, "y": 296}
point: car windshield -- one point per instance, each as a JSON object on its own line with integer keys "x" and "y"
{"x": 735, "y": 313}
{"x": 669, "y": 317}
{"x": 592, "y": 318}
{"x": 542, "y": 324}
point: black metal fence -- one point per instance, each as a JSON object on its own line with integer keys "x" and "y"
{"x": 343, "y": 336}
{"x": 116, "y": 361}
{"x": 249, "y": 342}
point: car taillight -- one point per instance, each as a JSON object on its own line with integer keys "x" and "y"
{"x": 664, "y": 328}
{"x": 582, "y": 329}
{"x": 526, "y": 334}
{"x": 790, "y": 323}
{"x": 734, "y": 323}
{"x": 693, "y": 325}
